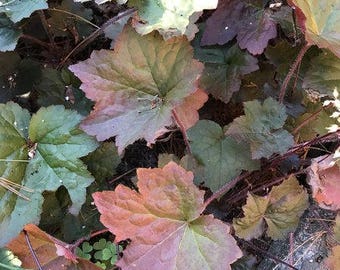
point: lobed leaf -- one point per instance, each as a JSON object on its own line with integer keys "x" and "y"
{"x": 137, "y": 86}
{"x": 223, "y": 68}
{"x": 223, "y": 157}
{"x": 280, "y": 210}
{"x": 252, "y": 25}
{"x": 323, "y": 177}
{"x": 261, "y": 126}
{"x": 54, "y": 143}
{"x": 323, "y": 74}
{"x": 164, "y": 223}
{"x": 170, "y": 18}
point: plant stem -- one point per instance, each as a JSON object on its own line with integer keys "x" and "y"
{"x": 296, "y": 63}
{"x": 38, "y": 41}
{"x": 225, "y": 188}
{"x": 75, "y": 15}
{"x": 47, "y": 28}
{"x": 308, "y": 119}
{"x": 32, "y": 250}
{"x": 96, "y": 33}
{"x": 255, "y": 248}
{"x": 182, "y": 128}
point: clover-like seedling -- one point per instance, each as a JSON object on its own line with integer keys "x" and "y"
{"x": 84, "y": 251}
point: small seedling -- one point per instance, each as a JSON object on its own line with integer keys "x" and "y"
{"x": 103, "y": 253}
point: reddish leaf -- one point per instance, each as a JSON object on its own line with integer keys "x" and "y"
{"x": 51, "y": 252}
{"x": 187, "y": 112}
{"x": 333, "y": 261}
{"x": 137, "y": 86}
{"x": 251, "y": 24}
{"x": 164, "y": 223}
{"x": 323, "y": 177}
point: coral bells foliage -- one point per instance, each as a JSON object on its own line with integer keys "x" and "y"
{"x": 165, "y": 225}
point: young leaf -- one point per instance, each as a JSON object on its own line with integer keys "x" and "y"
{"x": 17, "y": 10}
{"x": 170, "y": 18}
{"x": 165, "y": 224}
{"x": 280, "y": 210}
{"x": 52, "y": 253}
{"x": 320, "y": 20}
{"x": 55, "y": 145}
{"x": 223, "y": 68}
{"x": 222, "y": 157}
{"x": 137, "y": 86}
{"x": 84, "y": 251}
{"x": 323, "y": 177}
{"x": 324, "y": 73}
{"x": 253, "y": 26}
{"x": 261, "y": 126}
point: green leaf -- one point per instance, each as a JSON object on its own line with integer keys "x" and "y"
{"x": 55, "y": 87}
{"x": 103, "y": 162}
{"x": 58, "y": 145}
{"x": 86, "y": 247}
{"x": 84, "y": 251}
{"x": 282, "y": 55}
{"x": 261, "y": 127}
{"x": 100, "y": 245}
{"x": 103, "y": 255}
{"x": 7, "y": 259}
{"x": 9, "y": 34}
{"x": 170, "y": 18}
{"x": 313, "y": 125}
{"x": 280, "y": 210}
{"x": 323, "y": 74}
{"x": 223, "y": 157}
{"x": 136, "y": 86}
{"x": 18, "y": 9}
{"x": 320, "y": 20}
{"x": 223, "y": 68}
{"x": 16, "y": 76}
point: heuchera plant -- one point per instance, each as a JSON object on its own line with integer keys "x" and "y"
{"x": 168, "y": 62}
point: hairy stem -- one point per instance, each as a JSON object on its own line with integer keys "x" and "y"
{"x": 181, "y": 127}
{"x": 32, "y": 251}
{"x": 35, "y": 40}
{"x": 225, "y": 188}
{"x": 296, "y": 63}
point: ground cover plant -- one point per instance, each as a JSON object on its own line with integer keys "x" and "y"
{"x": 166, "y": 134}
